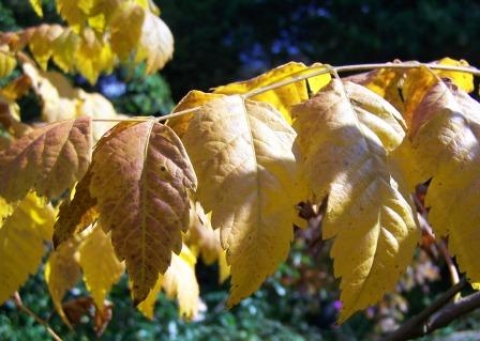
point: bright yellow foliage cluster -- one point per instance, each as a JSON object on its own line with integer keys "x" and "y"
{"x": 246, "y": 154}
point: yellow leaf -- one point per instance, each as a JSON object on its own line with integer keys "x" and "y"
{"x": 385, "y": 83}
{"x": 203, "y": 237}
{"x": 62, "y": 101}
{"x": 37, "y": 7}
{"x": 93, "y": 56}
{"x": 6, "y": 209}
{"x": 155, "y": 45}
{"x": 62, "y": 273}
{"x": 146, "y": 307}
{"x": 72, "y": 12}
{"x": 48, "y": 159}
{"x": 7, "y": 61}
{"x": 10, "y": 115}
{"x": 462, "y": 79}
{"x": 64, "y": 48}
{"x": 192, "y": 100}
{"x": 96, "y": 106}
{"x": 247, "y": 177}
{"x": 142, "y": 180}
{"x": 58, "y": 96}
{"x": 282, "y": 98}
{"x": 180, "y": 281}
{"x": 346, "y": 142}
{"x": 101, "y": 268}
{"x": 417, "y": 82}
{"x": 22, "y": 242}
{"x": 445, "y": 146}
{"x": 41, "y": 42}
{"x": 124, "y": 41}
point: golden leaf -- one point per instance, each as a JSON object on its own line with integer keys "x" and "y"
{"x": 7, "y": 61}
{"x": 192, "y": 100}
{"x": 445, "y": 145}
{"x": 247, "y": 178}
{"x": 64, "y": 48}
{"x": 146, "y": 307}
{"x": 62, "y": 273}
{"x": 180, "y": 281}
{"x": 101, "y": 268}
{"x": 142, "y": 180}
{"x": 282, "y": 98}
{"x": 72, "y": 12}
{"x": 346, "y": 142}
{"x": 41, "y": 42}
{"x": 463, "y": 80}
{"x": 49, "y": 159}
{"x": 93, "y": 56}
{"x": 124, "y": 41}
{"x": 202, "y": 237}
{"x": 155, "y": 45}
{"x": 62, "y": 101}
{"x": 37, "y": 7}
{"x": 22, "y": 242}
{"x": 385, "y": 83}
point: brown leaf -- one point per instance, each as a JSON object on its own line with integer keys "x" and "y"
{"x": 142, "y": 179}
{"x": 49, "y": 159}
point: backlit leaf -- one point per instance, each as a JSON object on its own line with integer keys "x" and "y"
{"x": 242, "y": 153}
{"x": 41, "y": 42}
{"x": 22, "y": 242}
{"x": 385, "y": 83}
{"x": 203, "y": 238}
{"x": 72, "y": 12}
{"x": 146, "y": 307}
{"x": 192, "y": 100}
{"x": 180, "y": 282}
{"x": 125, "y": 41}
{"x": 155, "y": 45}
{"x": 37, "y": 7}
{"x": 49, "y": 159}
{"x": 64, "y": 48}
{"x": 93, "y": 56}
{"x": 142, "y": 180}
{"x": 462, "y": 79}
{"x": 62, "y": 272}
{"x": 282, "y": 98}
{"x": 101, "y": 268}
{"x": 346, "y": 142}
{"x": 7, "y": 61}
{"x": 446, "y": 131}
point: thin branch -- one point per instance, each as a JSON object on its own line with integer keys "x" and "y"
{"x": 18, "y": 302}
{"x": 324, "y": 69}
{"x": 426, "y": 322}
{"x": 452, "y": 269}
